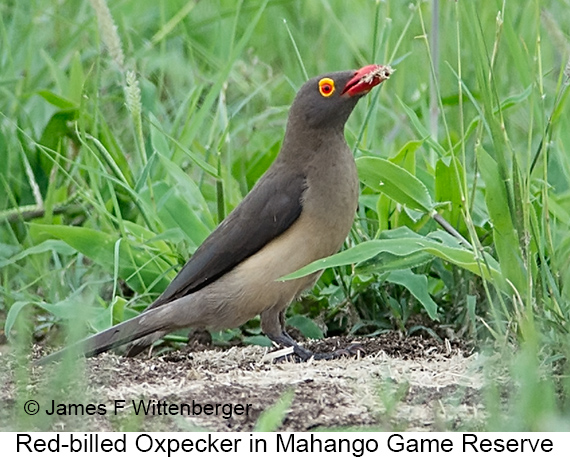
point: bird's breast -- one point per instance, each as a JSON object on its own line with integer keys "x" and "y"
{"x": 331, "y": 198}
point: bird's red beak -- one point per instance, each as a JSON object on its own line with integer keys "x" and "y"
{"x": 366, "y": 78}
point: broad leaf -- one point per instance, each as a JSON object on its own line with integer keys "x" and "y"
{"x": 306, "y": 326}
{"x": 394, "y": 181}
{"x": 418, "y": 287}
{"x": 438, "y": 244}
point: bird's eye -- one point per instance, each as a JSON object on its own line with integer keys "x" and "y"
{"x": 326, "y": 87}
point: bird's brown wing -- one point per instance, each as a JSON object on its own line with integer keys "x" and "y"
{"x": 264, "y": 214}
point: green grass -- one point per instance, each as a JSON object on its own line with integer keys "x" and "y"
{"x": 104, "y": 138}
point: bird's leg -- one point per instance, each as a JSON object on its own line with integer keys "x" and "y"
{"x": 273, "y": 325}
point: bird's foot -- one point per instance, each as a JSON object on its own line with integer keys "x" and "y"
{"x": 354, "y": 350}
{"x": 300, "y": 354}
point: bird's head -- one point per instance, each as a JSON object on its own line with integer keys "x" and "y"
{"x": 328, "y": 100}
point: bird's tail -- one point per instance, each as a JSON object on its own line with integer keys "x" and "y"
{"x": 147, "y": 323}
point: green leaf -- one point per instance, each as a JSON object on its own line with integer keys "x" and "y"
{"x": 394, "y": 181}
{"x": 448, "y": 173}
{"x": 105, "y": 315}
{"x": 158, "y": 139}
{"x": 418, "y": 286}
{"x": 58, "y": 101}
{"x": 167, "y": 28}
{"x": 180, "y": 204}
{"x": 386, "y": 262}
{"x": 68, "y": 307}
{"x": 76, "y": 80}
{"x": 13, "y": 313}
{"x": 64, "y": 309}
{"x": 145, "y": 236}
{"x": 384, "y": 211}
{"x": 558, "y": 209}
{"x": 439, "y": 244}
{"x": 516, "y": 99}
{"x": 49, "y": 245}
{"x": 270, "y": 419}
{"x": 406, "y": 157}
{"x": 258, "y": 340}
{"x": 359, "y": 253}
{"x": 55, "y": 130}
{"x": 144, "y": 271}
{"x": 504, "y": 233}
{"x": 306, "y": 326}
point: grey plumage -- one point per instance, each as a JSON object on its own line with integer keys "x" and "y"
{"x": 300, "y": 210}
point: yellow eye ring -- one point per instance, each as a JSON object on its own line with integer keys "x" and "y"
{"x": 326, "y": 87}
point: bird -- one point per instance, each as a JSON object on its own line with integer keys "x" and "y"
{"x": 299, "y": 211}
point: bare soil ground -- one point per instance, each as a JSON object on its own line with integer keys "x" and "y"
{"x": 412, "y": 383}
